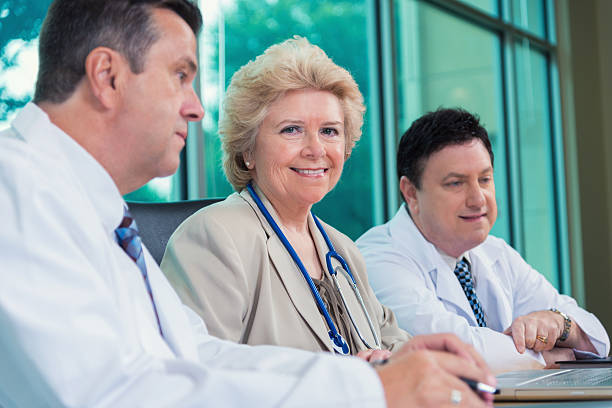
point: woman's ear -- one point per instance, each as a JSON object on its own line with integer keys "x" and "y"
{"x": 249, "y": 162}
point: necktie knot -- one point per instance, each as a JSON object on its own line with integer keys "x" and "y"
{"x": 129, "y": 240}
{"x": 127, "y": 220}
{"x": 464, "y": 275}
{"x": 462, "y": 271}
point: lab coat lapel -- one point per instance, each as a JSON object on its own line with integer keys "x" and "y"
{"x": 493, "y": 297}
{"x": 449, "y": 290}
{"x": 445, "y": 283}
{"x": 345, "y": 285}
{"x": 295, "y": 284}
{"x": 172, "y": 317}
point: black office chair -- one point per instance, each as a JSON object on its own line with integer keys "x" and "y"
{"x": 157, "y": 221}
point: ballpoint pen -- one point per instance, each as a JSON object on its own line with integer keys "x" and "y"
{"x": 480, "y": 387}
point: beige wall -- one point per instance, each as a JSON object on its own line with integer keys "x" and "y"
{"x": 585, "y": 55}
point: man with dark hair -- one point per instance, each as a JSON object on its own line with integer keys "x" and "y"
{"x": 436, "y": 266}
{"x": 87, "y": 317}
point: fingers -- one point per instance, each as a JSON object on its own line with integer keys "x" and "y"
{"x": 460, "y": 353}
{"x": 365, "y": 354}
{"x": 518, "y": 335}
{"x": 537, "y": 331}
{"x": 557, "y": 354}
{"x": 379, "y": 355}
{"x": 456, "y": 393}
{"x": 461, "y": 349}
{"x": 545, "y": 340}
{"x": 456, "y": 365}
{"x": 374, "y": 355}
{"x": 450, "y": 343}
{"x": 422, "y": 379}
{"x": 540, "y": 343}
{"x": 531, "y": 330}
{"x": 458, "y": 368}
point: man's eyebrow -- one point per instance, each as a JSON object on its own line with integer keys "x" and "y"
{"x": 463, "y": 176}
{"x": 454, "y": 175}
{"x": 190, "y": 63}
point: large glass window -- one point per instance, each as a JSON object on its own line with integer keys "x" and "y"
{"x": 530, "y": 15}
{"x": 238, "y": 31}
{"x": 535, "y": 162}
{"x": 489, "y": 6}
{"x": 444, "y": 61}
{"x": 491, "y": 57}
{"x": 19, "y": 26}
{"x": 454, "y": 56}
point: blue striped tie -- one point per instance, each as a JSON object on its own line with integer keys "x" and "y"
{"x": 462, "y": 271}
{"x": 129, "y": 240}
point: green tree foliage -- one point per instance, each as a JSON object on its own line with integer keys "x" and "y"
{"x": 19, "y": 19}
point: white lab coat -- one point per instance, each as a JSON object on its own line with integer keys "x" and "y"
{"x": 77, "y": 327}
{"x": 410, "y": 276}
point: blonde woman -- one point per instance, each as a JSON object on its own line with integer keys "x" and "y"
{"x": 255, "y": 266}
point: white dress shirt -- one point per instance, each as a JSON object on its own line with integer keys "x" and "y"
{"x": 76, "y": 324}
{"x": 411, "y": 277}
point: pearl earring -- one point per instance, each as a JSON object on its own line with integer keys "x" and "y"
{"x": 247, "y": 164}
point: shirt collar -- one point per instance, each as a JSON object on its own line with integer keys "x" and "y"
{"x": 451, "y": 261}
{"x": 34, "y": 125}
{"x": 407, "y": 234}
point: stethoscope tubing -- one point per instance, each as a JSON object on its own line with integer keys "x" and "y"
{"x": 334, "y": 334}
{"x": 295, "y": 257}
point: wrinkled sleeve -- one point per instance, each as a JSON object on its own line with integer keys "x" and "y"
{"x": 533, "y": 292}
{"x": 399, "y": 284}
{"x": 65, "y": 341}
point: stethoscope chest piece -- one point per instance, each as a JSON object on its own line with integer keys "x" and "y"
{"x": 338, "y": 343}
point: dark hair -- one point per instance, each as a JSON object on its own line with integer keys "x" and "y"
{"x": 431, "y": 133}
{"x": 73, "y": 28}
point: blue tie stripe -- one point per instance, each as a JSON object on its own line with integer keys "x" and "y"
{"x": 463, "y": 274}
{"x": 129, "y": 240}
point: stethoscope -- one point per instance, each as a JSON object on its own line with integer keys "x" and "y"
{"x": 338, "y": 343}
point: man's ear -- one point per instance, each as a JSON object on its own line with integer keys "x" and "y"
{"x": 103, "y": 67}
{"x": 409, "y": 191}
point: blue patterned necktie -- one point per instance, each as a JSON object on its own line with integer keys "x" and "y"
{"x": 462, "y": 271}
{"x": 129, "y": 240}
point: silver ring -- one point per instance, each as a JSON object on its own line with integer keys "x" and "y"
{"x": 456, "y": 397}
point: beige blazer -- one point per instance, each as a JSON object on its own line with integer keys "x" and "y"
{"x": 226, "y": 263}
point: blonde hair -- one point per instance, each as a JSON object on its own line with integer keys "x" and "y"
{"x": 291, "y": 65}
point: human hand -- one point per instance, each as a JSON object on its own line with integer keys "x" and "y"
{"x": 537, "y": 331}
{"x": 450, "y": 343}
{"x": 374, "y": 355}
{"x": 425, "y": 378}
{"x": 557, "y": 354}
